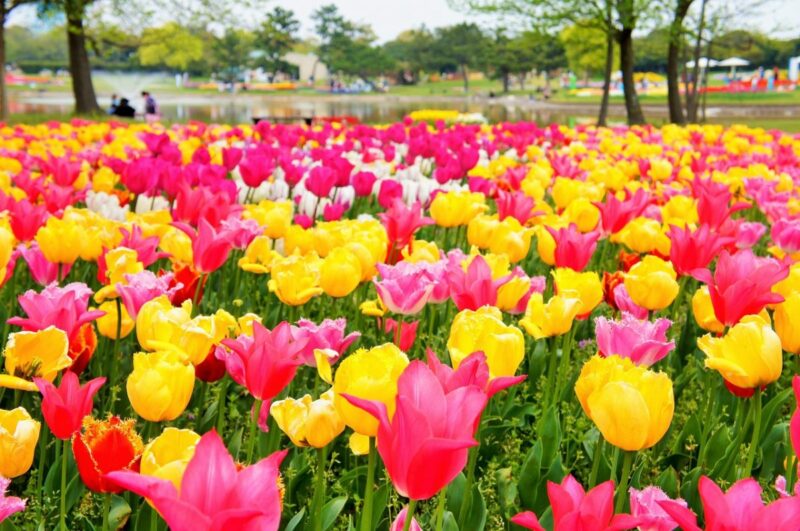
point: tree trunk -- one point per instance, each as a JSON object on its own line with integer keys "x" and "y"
{"x": 676, "y": 115}
{"x": 3, "y": 89}
{"x": 522, "y": 81}
{"x": 506, "y": 82}
{"x": 79, "y": 68}
{"x": 626, "y": 56}
{"x": 602, "y": 117}
{"x": 692, "y": 99}
{"x": 465, "y": 75}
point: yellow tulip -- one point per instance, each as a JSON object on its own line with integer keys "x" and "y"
{"x": 552, "y": 319}
{"x": 41, "y": 354}
{"x": 308, "y": 423}
{"x": 159, "y": 321}
{"x": 643, "y": 235}
{"x": 790, "y": 284}
{"x": 178, "y": 245}
{"x": 545, "y": 245}
{"x": 120, "y": 261}
{"x": 456, "y": 208}
{"x": 295, "y": 279}
{"x": 480, "y": 230}
{"x": 166, "y": 456}
{"x": 484, "y": 330}
{"x": 107, "y": 324}
{"x": 703, "y": 311}
{"x": 787, "y": 323}
{"x": 258, "y": 256}
{"x": 583, "y": 214}
{"x": 61, "y": 240}
{"x": 422, "y": 251}
{"x": 160, "y": 385}
{"x": 651, "y": 283}
{"x": 748, "y": 356}
{"x": 298, "y": 240}
{"x": 680, "y": 210}
{"x": 275, "y": 217}
{"x": 585, "y": 286}
{"x": 511, "y": 239}
{"x": 372, "y": 375}
{"x": 340, "y": 272}
{"x": 19, "y": 434}
{"x": 632, "y": 406}
{"x": 512, "y": 291}
{"x": 6, "y": 248}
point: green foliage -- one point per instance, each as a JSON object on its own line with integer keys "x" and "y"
{"x": 171, "y": 46}
{"x": 585, "y": 49}
{"x": 275, "y": 38}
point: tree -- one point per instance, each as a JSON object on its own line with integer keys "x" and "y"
{"x": 275, "y": 38}
{"x": 412, "y": 50}
{"x": 462, "y": 46}
{"x": 333, "y": 31}
{"x": 584, "y": 46}
{"x": 171, "y": 45}
{"x": 79, "y": 67}
{"x": 676, "y": 38}
{"x": 230, "y": 53}
{"x": 6, "y": 7}
{"x": 508, "y": 57}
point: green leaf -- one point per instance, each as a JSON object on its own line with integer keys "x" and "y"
{"x": 379, "y": 501}
{"x": 331, "y": 511}
{"x": 668, "y": 481}
{"x": 449, "y": 522}
{"x": 119, "y": 513}
{"x": 295, "y": 521}
{"x": 550, "y": 432}
{"x": 476, "y": 516}
{"x": 772, "y": 410}
{"x": 530, "y": 476}
{"x": 717, "y": 445}
{"x": 455, "y": 493}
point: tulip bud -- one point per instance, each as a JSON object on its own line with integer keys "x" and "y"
{"x": 166, "y": 456}
{"x": 484, "y": 330}
{"x": 161, "y": 384}
{"x": 306, "y": 422}
{"x": 340, "y": 272}
{"x": 651, "y": 283}
{"x": 787, "y": 323}
{"x": 19, "y": 434}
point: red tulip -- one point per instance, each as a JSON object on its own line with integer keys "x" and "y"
{"x": 615, "y": 214}
{"x": 106, "y": 446}
{"x": 401, "y": 222}
{"x": 65, "y": 407}
{"x": 26, "y": 218}
{"x": 696, "y": 249}
{"x": 215, "y": 494}
{"x": 473, "y": 370}
{"x": 210, "y": 247}
{"x": 425, "y": 444}
{"x": 573, "y": 248}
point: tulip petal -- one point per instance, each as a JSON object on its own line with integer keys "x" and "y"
{"x": 209, "y": 475}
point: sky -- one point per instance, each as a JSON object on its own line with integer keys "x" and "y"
{"x": 389, "y": 17}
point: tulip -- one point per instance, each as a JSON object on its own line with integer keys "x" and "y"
{"x": 26, "y": 219}
{"x": 552, "y": 319}
{"x": 308, "y": 423}
{"x": 329, "y": 335}
{"x": 372, "y": 375}
{"x": 403, "y": 333}
{"x": 160, "y": 385}
{"x": 651, "y": 516}
{"x": 741, "y": 284}
{"x": 145, "y": 286}
{"x": 65, "y": 407}
{"x": 429, "y": 427}
{"x": 511, "y": 239}
{"x": 739, "y": 509}
{"x": 9, "y": 504}
{"x": 29, "y": 355}
{"x": 210, "y": 247}
{"x": 120, "y": 262}
{"x": 456, "y": 208}
{"x": 785, "y": 233}
{"x": 60, "y": 240}
{"x": 105, "y": 446}
{"x": 692, "y": 250}
{"x": 703, "y": 311}
{"x": 615, "y": 214}
{"x": 749, "y": 356}
{"x": 573, "y": 249}
{"x": 43, "y": 271}
{"x": 474, "y": 287}
{"x": 340, "y": 273}
{"x": 586, "y": 286}
{"x": 404, "y": 289}
{"x": 632, "y": 406}
{"x": 296, "y": 279}
{"x": 167, "y": 456}
{"x": 214, "y": 493}
{"x": 574, "y": 508}
{"x": 484, "y": 330}
{"x": 651, "y": 283}
{"x": 644, "y": 342}
{"x": 401, "y": 222}
{"x": 643, "y": 235}
{"x": 787, "y": 323}
{"x": 107, "y": 324}
{"x": 19, "y": 434}
{"x": 65, "y": 308}
{"x": 399, "y": 523}
{"x": 472, "y": 371}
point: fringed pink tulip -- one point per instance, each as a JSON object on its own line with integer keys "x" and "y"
{"x": 9, "y": 504}
{"x": 403, "y": 288}
{"x": 644, "y": 342}
{"x": 651, "y": 516}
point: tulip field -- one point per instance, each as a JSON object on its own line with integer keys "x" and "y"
{"x": 411, "y": 326}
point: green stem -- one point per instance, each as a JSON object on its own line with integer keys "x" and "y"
{"x": 563, "y": 367}
{"x": 551, "y": 371}
{"x": 440, "y": 508}
{"x": 106, "y": 510}
{"x": 366, "y": 516}
{"x": 466, "y": 499}
{"x": 223, "y": 389}
{"x": 195, "y": 301}
{"x": 153, "y": 519}
{"x": 112, "y": 372}
{"x": 319, "y": 490}
{"x": 251, "y": 441}
{"x": 63, "y": 506}
{"x": 751, "y": 455}
{"x": 412, "y": 504}
{"x": 627, "y": 463}
{"x": 597, "y": 455}
{"x": 40, "y": 473}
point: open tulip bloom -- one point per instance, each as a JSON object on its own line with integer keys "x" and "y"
{"x": 562, "y": 328}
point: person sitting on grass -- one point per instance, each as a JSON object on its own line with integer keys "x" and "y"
{"x": 124, "y": 109}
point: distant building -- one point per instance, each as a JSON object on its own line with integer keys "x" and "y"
{"x": 308, "y": 65}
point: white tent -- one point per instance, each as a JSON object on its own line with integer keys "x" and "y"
{"x": 705, "y": 62}
{"x": 733, "y": 62}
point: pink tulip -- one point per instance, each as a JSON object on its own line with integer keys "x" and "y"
{"x": 9, "y": 504}
{"x": 645, "y": 507}
{"x": 255, "y": 169}
{"x": 334, "y": 211}
{"x": 644, "y": 342}
{"x": 210, "y": 248}
{"x": 42, "y": 271}
{"x": 363, "y": 182}
{"x": 329, "y": 335}
{"x": 573, "y": 249}
{"x": 786, "y": 234}
{"x": 26, "y": 219}
{"x": 204, "y": 203}
{"x": 400, "y": 522}
{"x": 474, "y": 288}
{"x": 573, "y": 509}
{"x": 405, "y": 338}
{"x": 265, "y": 363}
{"x": 240, "y": 232}
{"x": 713, "y": 204}
{"x": 741, "y": 284}
{"x": 615, "y": 214}
{"x": 401, "y": 222}
{"x": 215, "y": 494}
{"x": 231, "y": 157}
{"x": 473, "y": 370}
{"x": 425, "y": 444}
{"x": 696, "y": 249}
{"x": 403, "y": 288}
{"x": 514, "y": 204}
{"x": 739, "y": 509}
{"x": 390, "y": 191}
{"x": 320, "y": 181}
{"x": 626, "y": 305}
{"x": 143, "y": 287}
{"x": 749, "y": 233}
{"x": 64, "y": 407}
{"x": 436, "y": 273}
{"x": 65, "y": 308}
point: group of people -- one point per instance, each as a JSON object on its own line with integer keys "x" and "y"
{"x": 122, "y": 108}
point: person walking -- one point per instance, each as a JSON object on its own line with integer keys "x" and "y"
{"x": 151, "y": 111}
